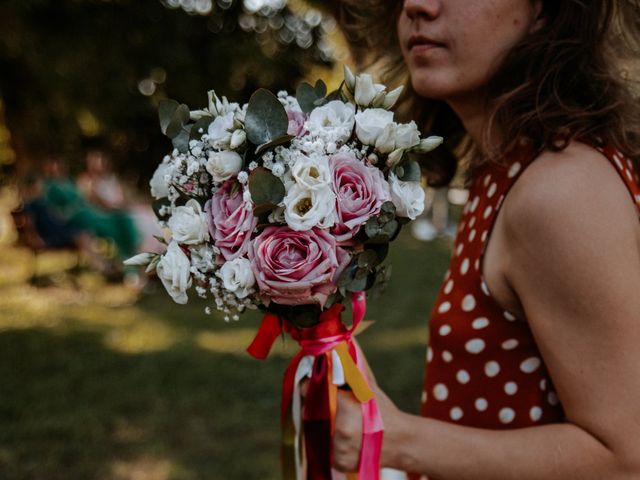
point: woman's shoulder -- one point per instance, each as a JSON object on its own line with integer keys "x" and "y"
{"x": 558, "y": 188}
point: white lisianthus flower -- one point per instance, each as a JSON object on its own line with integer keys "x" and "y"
{"x": 311, "y": 173}
{"x": 336, "y": 117}
{"x": 428, "y": 144}
{"x": 238, "y": 138}
{"x": 407, "y": 197}
{"x": 237, "y": 276}
{"x": 386, "y": 141}
{"x": 161, "y": 179}
{"x": 407, "y": 135}
{"x": 219, "y": 130}
{"x": 173, "y": 272}
{"x": 392, "y": 97}
{"x": 305, "y": 209}
{"x": 223, "y": 165}
{"x": 141, "y": 259}
{"x": 370, "y": 124}
{"x": 365, "y": 90}
{"x": 188, "y": 224}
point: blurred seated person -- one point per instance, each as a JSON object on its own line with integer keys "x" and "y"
{"x": 43, "y": 228}
{"x": 99, "y": 184}
{"x": 62, "y": 196}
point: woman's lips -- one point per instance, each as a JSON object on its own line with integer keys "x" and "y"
{"x": 419, "y": 43}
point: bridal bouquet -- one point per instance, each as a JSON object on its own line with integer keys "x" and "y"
{"x": 288, "y": 204}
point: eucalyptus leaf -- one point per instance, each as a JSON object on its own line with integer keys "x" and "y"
{"x": 266, "y": 118}
{"x": 372, "y": 228}
{"x": 166, "y": 110}
{"x": 181, "y": 140}
{"x": 389, "y": 229}
{"x": 410, "y": 172}
{"x": 358, "y": 284}
{"x": 388, "y": 207}
{"x": 178, "y": 119}
{"x": 347, "y": 275}
{"x": 361, "y": 273}
{"x": 367, "y": 259}
{"x": 274, "y": 143}
{"x": 306, "y": 96}
{"x": 320, "y": 89}
{"x": 263, "y": 209}
{"x": 265, "y": 187}
{"x": 201, "y": 124}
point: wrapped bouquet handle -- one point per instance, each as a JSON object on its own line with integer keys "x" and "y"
{"x": 330, "y": 357}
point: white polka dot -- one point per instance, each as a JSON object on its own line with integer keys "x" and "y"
{"x": 506, "y": 415}
{"x": 464, "y": 267}
{"x": 461, "y": 226}
{"x": 481, "y": 404}
{"x": 530, "y": 365}
{"x": 459, "y": 249}
{"x": 492, "y": 190}
{"x": 618, "y": 161}
{"x": 487, "y": 212}
{"x": 476, "y": 264}
{"x": 510, "y": 388}
{"x": 444, "y": 330}
{"x": 480, "y": 323}
{"x": 515, "y": 168}
{"x": 446, "y": 356}
{"x": 535, "y": 413}
{"x": 552, "y": 398}
{"x": 447, "y": 275}
{"x": 509, "y": 316}
{"x": 543, "y": 384}
{"x": 429, "y": 354}
{"x": 510, "y": 344}
{"x": 474, "y": 204}
{"x": 468, "y": 303}
{"x": 638, "y": 198}
{"x": 456, "y": 413}
{"x": 424, "y": 396}
{"x": 500, "y": 200}
{"x": 475, "y": 345}
{"x": 629, "y": 176}
{"x": 483, "y": 237}
{"x": 465, "y": 210}
{"x": 472, "y": 235}
{"x": 440, "y": 392}
{"x": 487, "y": 179}
{"x": 448, "y": 287}
{"x": 472, "y": 222}
{"x": 444, "y": 307}
{"x": 491, "y": 369}
{"x": 485, "y": 288}
{"x": 629, "y": 164}
{"x": 463, "y": 376}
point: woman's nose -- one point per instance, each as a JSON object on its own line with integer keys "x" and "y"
{"x": 422, "y": 8}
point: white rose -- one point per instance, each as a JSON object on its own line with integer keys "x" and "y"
{"x": 305, "y": 209}
{"x": 408, "y": 197}
{"x": 407, "y": 135}
{"x": 173, "y": 271}
{"x": 161, "y": 180}
{"x": 311, "y": 173}
{"x": 366, "y": 90}
{"x": 188, "y": 224}
{"x": 223, "y": 165}
{"x": 219, "y": 130}
{"x": 237, "y": 276}
{"x": 370, "y": 123}
{"x": 335, "y": 117}
{"x": 386, "y": 141}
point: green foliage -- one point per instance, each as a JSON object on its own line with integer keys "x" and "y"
{"x": 409, "y": 171}
{"x": 383, "y": 228}
{"x": 265, "y": 187}
{"x": 266, "y": 118}
{"x": 311, "y": 97}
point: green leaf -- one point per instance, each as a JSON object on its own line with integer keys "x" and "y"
{"x": 201, "y": 124}
{"x": 173, "y": 116}
{"x": 274, "y": 143}
{"x": 166, "y": 109}
{"x": 157, "y": 206}
{"x": 389, "y": 229}
{"x": 347, "y": 275}
{"x": 181, "y": 140}
{"x": 388, "y": 207}
{"x": 265, "y": 187}
{"x": 320, "y": 89}
{"x": 263, "y": 209}
{"x": 372, "y": 228}
{"x": 266, "y": 118}
{"x": 358, "y": 284}
{"x": 367, "y": 259}
{"x": 410, "y": 172}
{"x": 306, "y": 96}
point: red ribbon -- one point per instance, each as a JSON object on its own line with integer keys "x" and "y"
{"x": 319, "y": 413}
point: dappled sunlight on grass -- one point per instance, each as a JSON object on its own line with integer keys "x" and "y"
{"x": 145, "y": 467}
{"x": 399, "y": 339}
{"x": 236, "y": 342}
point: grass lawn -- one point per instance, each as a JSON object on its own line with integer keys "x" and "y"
{"x": 97, "y": 384}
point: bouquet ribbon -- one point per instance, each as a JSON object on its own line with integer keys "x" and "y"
{"x": 330, "y": 357}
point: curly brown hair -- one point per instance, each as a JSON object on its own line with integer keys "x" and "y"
{"x": 574, "y": 78}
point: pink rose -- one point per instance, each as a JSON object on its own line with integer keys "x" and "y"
{"x": 296, "y": 268}
{"x": 231, "y": 221}
{"x": 296, "y": 123}
{"x": 360, "y": 191}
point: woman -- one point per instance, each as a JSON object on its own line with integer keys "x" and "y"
{"x": 533, "y": 367}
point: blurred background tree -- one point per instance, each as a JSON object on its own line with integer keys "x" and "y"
{"x": 80, "y": 73}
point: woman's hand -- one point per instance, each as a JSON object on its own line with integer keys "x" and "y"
{"x": 347, "y": 439}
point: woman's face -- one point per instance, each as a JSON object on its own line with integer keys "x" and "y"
{"x": 453, "y": 47}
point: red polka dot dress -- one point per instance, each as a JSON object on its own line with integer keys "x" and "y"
{"x": 483, "y": 366}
